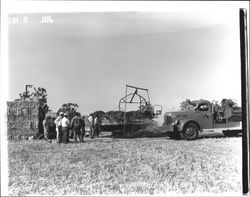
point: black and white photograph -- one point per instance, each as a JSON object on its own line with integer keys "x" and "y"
{"x": 122, "y": 98}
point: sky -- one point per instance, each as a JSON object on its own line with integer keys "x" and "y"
{"x": 88, "y": 57}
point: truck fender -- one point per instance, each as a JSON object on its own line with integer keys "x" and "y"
{"x": 184, "y": 122}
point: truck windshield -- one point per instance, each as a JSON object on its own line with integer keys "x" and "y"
{"x": 202, "y": 107}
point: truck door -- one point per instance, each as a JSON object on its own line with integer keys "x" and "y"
{"x": 205, "y": 116}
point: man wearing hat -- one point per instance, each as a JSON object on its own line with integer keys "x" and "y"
{"x": 83, "y": 126}
{"x": 46, "y": 128}
{"x": 58, "y": 123}
{"x": 77, "y": 125}
{"x": 65, "y": 128}
{"x": 90, "y": 120}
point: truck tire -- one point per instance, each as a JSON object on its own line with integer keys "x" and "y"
{"x": 173, "y": 135}
{"x": 190, "y": 132}
{"x": 231, "y": 133}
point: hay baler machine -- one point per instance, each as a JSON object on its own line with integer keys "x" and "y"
{"x": 131, "y": 120}
{"x": 144, "y": 105}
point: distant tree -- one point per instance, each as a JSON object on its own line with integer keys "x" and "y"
{"x": 224, "y": 103}
{"x": 41, "y": 95}
{"x": 70, "y": 108}
{"x": 23, "y": 96}
{"x": 184, "y": 105}
{"x": 230, "y": 103}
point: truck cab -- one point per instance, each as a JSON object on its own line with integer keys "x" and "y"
{"x": 187, "y": 124}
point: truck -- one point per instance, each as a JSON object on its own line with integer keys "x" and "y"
{"x": 205, "y": 116}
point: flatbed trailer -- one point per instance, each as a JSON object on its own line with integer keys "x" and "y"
{"x": 129, "y": 126}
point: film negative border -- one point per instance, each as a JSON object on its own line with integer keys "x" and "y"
{"x": 245, "y": 99}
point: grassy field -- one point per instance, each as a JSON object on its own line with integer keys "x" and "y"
{"x": 126, "y": 166}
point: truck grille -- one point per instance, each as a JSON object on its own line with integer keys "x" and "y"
{"x": 168, "y": 120}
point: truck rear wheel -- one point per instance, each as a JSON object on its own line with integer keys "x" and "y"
{"x": 173, "y": 135}
{"x": 190, "y": 132}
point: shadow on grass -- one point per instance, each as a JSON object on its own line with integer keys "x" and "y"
{"x": 218, "y": 137}
{"x": 109, "y": 137}
{"x": 160, "y": 134}
{"x": 141, "y": 134}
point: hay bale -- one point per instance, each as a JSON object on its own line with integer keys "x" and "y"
{"x": 118, "y": 116}
{"x": 22, "y": 117}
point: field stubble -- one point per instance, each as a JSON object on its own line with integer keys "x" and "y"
{"x": 126, "y": 166}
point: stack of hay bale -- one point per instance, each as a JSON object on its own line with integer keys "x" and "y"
{"x": 118, "y": 116}
{"x": 22, "y": 118}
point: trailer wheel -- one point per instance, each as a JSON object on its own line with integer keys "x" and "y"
{"x": 231, "y": 133}
{"x": 190, "y": 132}
{"x": 173, "y": 135}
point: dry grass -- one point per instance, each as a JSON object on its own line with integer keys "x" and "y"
{"x": 125, "y": 166}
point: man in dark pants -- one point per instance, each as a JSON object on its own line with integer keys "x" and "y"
{"x": 65, "y": 128}
{"x": 46, "y": 129}
{"x": 52, "y": 128}
{"x": 76, "y": 125}
{"x": 91, "y": 126}
{"x": 83, "y": 127}
{"x": 97, "y": 123}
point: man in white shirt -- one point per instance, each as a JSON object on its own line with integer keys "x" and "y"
{"x": 58, "y": 123}
{"x": 91, "y": 125}
{"x": 65, "y": 128}
{"x": 98, "y": 121}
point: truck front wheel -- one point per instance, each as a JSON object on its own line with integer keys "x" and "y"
{"x": 190, "y": 132}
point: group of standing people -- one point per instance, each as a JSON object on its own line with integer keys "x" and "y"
{"x": 76, "y": 125}
{"x": 64, "y": 125}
